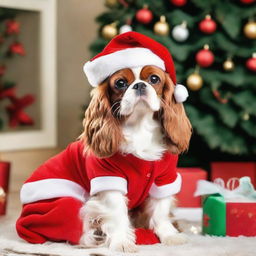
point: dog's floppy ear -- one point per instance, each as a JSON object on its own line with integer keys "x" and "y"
{"x": 102, "y": 133}
{"x": 175, "y": 123}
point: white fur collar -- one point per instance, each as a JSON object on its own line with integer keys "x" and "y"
{"x": 143, "y": 135}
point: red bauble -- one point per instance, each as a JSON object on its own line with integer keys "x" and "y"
{"x": 17, "y": 48}
{"x": 179, "y": 2}
{"x": 207, "y": 26}
{"x": 144, "y": 16}
{"x": 204, "y": 58}
{"x": 251, "y": 64}
{"x": 12, "y": 27}
{"x": 247, "y": 1}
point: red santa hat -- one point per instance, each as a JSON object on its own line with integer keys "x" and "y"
{"x": 130, "y": 50}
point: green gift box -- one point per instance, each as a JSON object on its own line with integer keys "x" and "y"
{"x": 222, "y": 218}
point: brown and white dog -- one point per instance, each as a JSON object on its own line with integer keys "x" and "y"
{"x": 125, "y": 161}
{"x": 137, "y": 106}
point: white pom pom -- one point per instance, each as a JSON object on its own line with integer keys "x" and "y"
{"x": 180, "y": 93}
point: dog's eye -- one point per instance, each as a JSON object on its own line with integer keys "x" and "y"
{"x": 121, "y": 84}
{"x": 154, "y": 79}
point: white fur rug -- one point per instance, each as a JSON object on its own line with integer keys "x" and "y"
{"x": 198, "y": 245}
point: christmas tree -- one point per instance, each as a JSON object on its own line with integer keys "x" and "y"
{"x": 11, "y": 105}
{"x": 213, "y": 44}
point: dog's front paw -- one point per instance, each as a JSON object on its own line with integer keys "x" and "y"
{"x": 174, "y": 239}
{"x": 123, "y": 246}
{"x": 93, "y": 238}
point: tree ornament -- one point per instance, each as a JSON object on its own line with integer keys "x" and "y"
{"x": 109, "y": 31}
{"x": 205, "y": 57}
{"x": 246, "y": 116}
{"x": 194, "y": 81}
{"x": 180, "y": 32}
{"x": 161, "y": 27}
{"x": 251, "y": 63}
{"x": 12, "y": 27}
{"x": 228, "y": 65}
{"x": 17, "y": 48}
{"x": 125, "y": 28}
{"x": 247, "y": 1}
{"x": 250, "y": 30}
{"x": 178, "y": 2}
{"x": 111, "y": 3}
{"x": 207, "y": 26}
{"x": 144, "y": 15}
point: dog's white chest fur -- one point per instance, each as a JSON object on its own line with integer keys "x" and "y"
{"x": 143, "y": 135}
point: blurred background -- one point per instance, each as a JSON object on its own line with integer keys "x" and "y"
{"x": 43, "y": 91}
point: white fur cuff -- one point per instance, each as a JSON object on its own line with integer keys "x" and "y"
{"x": 166, "y": 190}
{"x": 51, "y": 188}
{"x": 105, "y": 183}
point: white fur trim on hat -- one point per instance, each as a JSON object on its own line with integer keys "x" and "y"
{"x": 180, "y": 93}
{"x": 102, "y": 67}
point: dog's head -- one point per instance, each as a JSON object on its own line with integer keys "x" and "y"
{"x": 115, "y": 99}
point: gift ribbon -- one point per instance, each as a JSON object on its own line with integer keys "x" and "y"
{"x": 245, "y": 189}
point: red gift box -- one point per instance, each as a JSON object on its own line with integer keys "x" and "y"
{"x": 241, "y": 219}
{"x": 233, "y": 217}
{"x": 190, "y": 176}
{"x": 4, "y": 185}
{"x": 224, "y": 171}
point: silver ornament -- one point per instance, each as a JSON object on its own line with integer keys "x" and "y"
{"x": 125, "y": 28}
{"x": 180, "y": 32}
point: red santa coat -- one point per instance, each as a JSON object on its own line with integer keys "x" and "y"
{"x": 72, "y": 176}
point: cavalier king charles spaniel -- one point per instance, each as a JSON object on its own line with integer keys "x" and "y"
{"x": 134, "y": 112}
{"x": 121, "y": 175}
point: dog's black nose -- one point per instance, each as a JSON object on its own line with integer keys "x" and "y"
{"x": 139, "y": 86}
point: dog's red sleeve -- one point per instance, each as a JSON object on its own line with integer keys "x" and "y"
{"x": 167, "y": 181}
{"x": 168, "y": 173}
{"x": 106, "y": 174}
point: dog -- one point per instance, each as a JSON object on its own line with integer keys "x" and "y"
{"x": 137, "y": 105}
{"x": 121, "y": 173}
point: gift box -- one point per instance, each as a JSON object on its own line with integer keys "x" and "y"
{"x": 4, "y": 185}
{"x": 224, "y": 171}
{"x": 190, "y": 177}
{"x": 228, "y": 212}
{"x": 223, "y": 218}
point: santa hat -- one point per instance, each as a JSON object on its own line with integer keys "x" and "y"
{"x": 130, "y": 50}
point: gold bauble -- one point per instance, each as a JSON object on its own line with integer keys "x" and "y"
{"x": 250, "y": 30}
{"x": 111, "y": 3}
{"x": 246, "y": 116}
{"x": 109, "y": 31}
{"x": 194, "y": 82}
{"x": 2, "y": 195}
{"x": 228, "y": 65}
{"x": 161, "y": 27}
